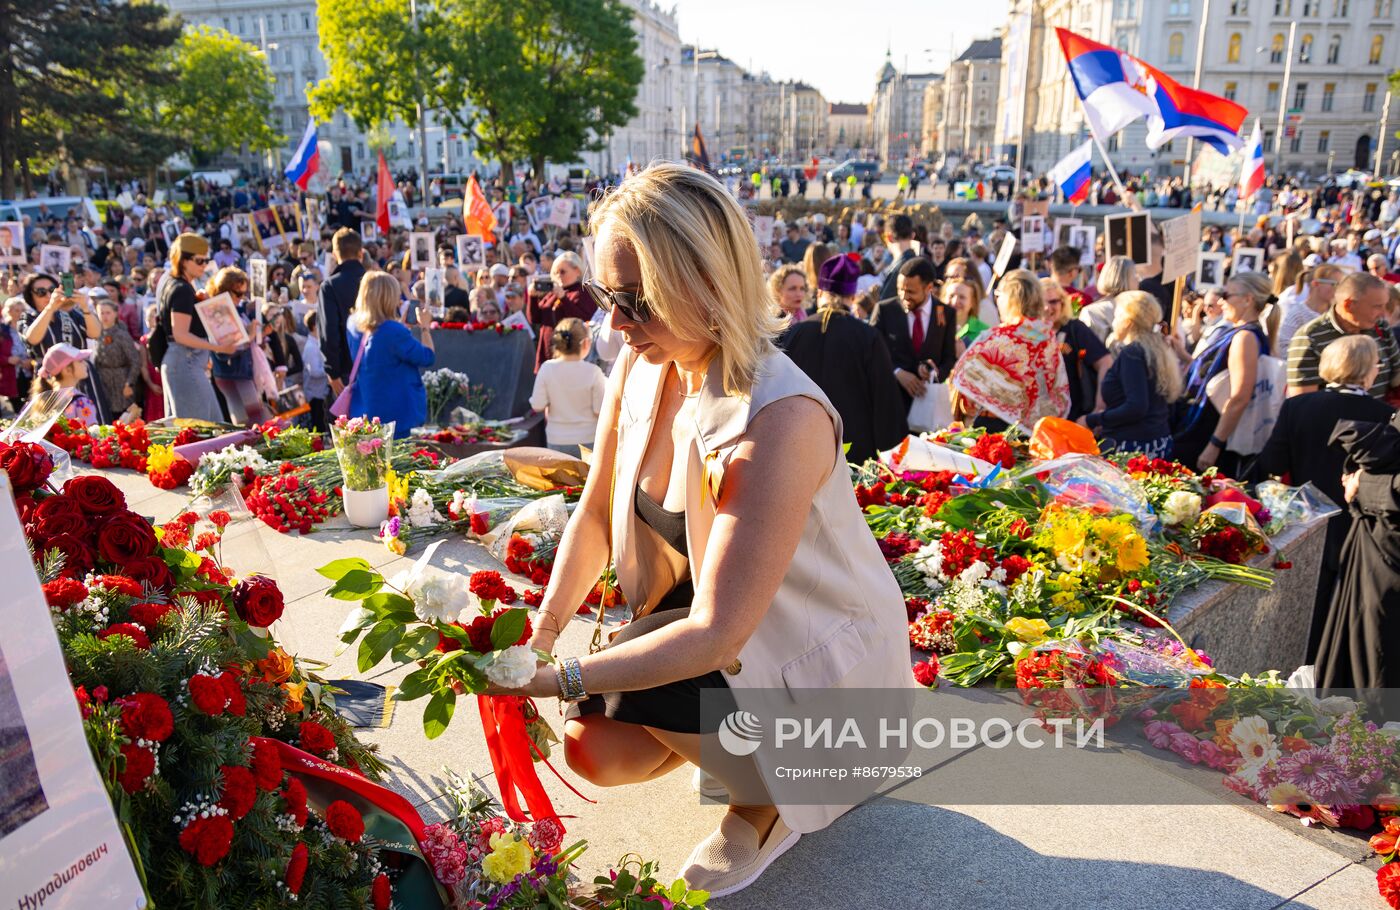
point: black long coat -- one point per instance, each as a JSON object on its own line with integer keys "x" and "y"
{"x": 848, "y": 360}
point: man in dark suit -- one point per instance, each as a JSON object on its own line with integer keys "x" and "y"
{"x": 338, "y": 295}
{"x": 899, "y": 240}
{"x": 919, "y": 332}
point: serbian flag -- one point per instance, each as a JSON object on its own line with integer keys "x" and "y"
{"x": 476, "y": 212}
{"x": 307, "y": 158}
{"x": 1073, "y": 173}
{"x": 1117, "y": 89}
{"x": 383, "y": 192}
{"x": 1252, "y": 175}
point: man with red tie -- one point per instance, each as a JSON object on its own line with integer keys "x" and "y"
{"x": 919, "y": 331}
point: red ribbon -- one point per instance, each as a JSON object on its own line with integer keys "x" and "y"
{"x": 510, "y": 748}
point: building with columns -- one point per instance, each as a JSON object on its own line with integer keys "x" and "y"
{"x": 897, "y": 115}
{"x": 967, "y": 104}
{"x": 1343, "y": 51}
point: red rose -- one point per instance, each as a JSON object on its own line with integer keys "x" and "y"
{"x": 147, "y": 716}
{"x": 296, "y": 869}
{"x": 237, "y": 702}
{"x": 380, "y": 892}
{"x": 148, "y": 616}
{"x": 78, "y": 558}
{"x": 118, "y": 584}
{"x": 95, "y": 495}
{"x": 240, "y": 791}
{"x": 139, "y": 765}
{"x": 27, "y": 463}
{"x": 62, "y": 593}
{"x": 266, "y": 764}
{"x": 315, "y": 738}
{"x": 345, "y": 821}
{"x": 1388, "y": 881}
{"x": 208, "y": 694}
{"x": 207, "y": 839}
{"x": 258, "y": 601}
{"x": 294, "y": 799}
{"x": 130, "y": 630}
{"x": 125, "y": 538}
{"x": 149, "y": 570}
{"x": 57, "y": 521}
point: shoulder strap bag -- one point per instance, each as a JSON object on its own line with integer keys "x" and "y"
{"x": 341, "y": 406}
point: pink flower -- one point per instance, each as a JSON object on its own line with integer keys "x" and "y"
{"x": 1186, "y": 745}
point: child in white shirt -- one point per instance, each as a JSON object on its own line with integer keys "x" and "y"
{"x": 569, "y": 390}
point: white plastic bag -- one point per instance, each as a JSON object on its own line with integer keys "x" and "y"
{"x": 931, "y": 411}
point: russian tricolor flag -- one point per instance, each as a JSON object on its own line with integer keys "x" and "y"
{"x": 1117, "y": 89}
{"x": 1252, "y": 174}
{"x": 307, "y": 158}
{"x": 1073, "y": 173}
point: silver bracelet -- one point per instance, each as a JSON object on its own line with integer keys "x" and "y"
{"x": 571, "y": 680}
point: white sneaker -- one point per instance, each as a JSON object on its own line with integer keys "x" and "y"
{"x": 708, "y": 787}
{"x": 732, "y": 858}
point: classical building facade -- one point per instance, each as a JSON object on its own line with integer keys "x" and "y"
{"x": 847, "y": 129}
{"x": 897, "y": 115}
{"x": 1343, "y": 50}
{"x": 967, "y": 104}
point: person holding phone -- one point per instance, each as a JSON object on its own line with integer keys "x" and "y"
{"x": 63, "y": 318}
{"x": 555, "y": 298}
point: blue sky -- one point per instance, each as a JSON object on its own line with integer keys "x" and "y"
{"x": 837, "y": 45}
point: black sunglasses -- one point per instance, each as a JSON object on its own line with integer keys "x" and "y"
{"x": 632, "y": 304}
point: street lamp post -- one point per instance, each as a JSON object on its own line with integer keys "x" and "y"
{"x": 422, "y": 115}
{"x": 1283, "y": 96}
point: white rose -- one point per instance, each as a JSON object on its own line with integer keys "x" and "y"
{"x": 513, "y": 667}
{"x": 1181, "y": 508}
{"x": 420, "y": 509}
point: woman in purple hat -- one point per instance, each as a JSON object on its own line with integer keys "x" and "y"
{"x": 848, "y": 359}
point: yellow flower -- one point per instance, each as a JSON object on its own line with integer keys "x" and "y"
{"x": 510, "y": 856}
{"x": 159, "y": 458}
{"x": 1132, "y": 554}
{"x": 294, "y": 691}
{"x": 1066, "y": 537}
{"x": 1028, "y": 630}
{"x": 395, "y": 545}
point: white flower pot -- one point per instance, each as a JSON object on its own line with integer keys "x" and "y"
{"x": 366, "y": 508}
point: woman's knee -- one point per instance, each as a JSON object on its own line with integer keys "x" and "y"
{"x": 607, "y": 753}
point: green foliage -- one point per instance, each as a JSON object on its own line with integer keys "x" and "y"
{"x": 220, "y": 93}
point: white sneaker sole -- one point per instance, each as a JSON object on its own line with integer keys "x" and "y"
{"x": 784, "y": 846}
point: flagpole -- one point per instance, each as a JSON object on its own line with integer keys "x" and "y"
{"x": 1196, "y": 81}
{"x": 1112, "y": 171}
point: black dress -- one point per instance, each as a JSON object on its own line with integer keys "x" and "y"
{"x": 1361, "y": 639}
{"x": 1298, "y": 451}
{"x": 849, "y": 361}
{"x": 674, "y": 706}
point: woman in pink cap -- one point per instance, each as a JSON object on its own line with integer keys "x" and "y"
{"x": 65, "y": 367}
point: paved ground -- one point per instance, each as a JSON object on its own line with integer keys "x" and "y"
{"x": 915, "y": 847}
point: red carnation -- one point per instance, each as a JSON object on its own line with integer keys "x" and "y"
{"x": 1388, "y": 881}
{"x": 27, "y": 463}
{"x": 258, "y": 600}
{"x": 208, "y": 839}
{"x": 125, "y": 538}
{"x": 62, "y": 593}
{"x": 294, "y": 798}
{"x": 149, "y": 570}
{"x": 220, "y": 518}
{"x": 487, "y": 585}
{"x": 237, "y": 702}
{"x": 208, "y": 694}
{"x": 140, "y": 764}
{"x": 148, "y": 615}
{"x": 119, "y": 584}
{"x": 1015, "y": 566}
{"x": 240, "y": 791}
{"x": 447, "y": 643}
{"x": 95, "y": 495}
{"x": 480, "y": 523}
{"x": 131, "y": 631}
{"x": 993, "y": 449}
{"x": 315, "y": 738}
{"x": 345, "y": 821}
{"x": 266, "y": 764}
{"x": 296, "y": 868}
{"x": 380, "y": 892}
{"x": 147, "y": 716}
{"x": 926, "y": 672}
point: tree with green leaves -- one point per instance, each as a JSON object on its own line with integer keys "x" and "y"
{"x": 219, "y": 96}
{"x": 69, "y": 73}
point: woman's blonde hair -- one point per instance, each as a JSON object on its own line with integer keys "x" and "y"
{"x": 1257, "y": 286}
{"x": 569, "y": 336}
{"x": 1286, "y": 269}
{"x": 1118, "y": 274}
{"x": 973, "y": 287}
{"x": 1047, "y": 284}
{"x": 1135, "y": 318}
{"x": 812, "y": 260}
{"x": 1349, "y": 359}
{"x": 1024, "y": 298}
{"x": 779, "y": 278}
{"x": 226, "y": 279}
{"x": 377, "y": 303}
{"x": 568, "y": 257}
{"x": 972, "y": 274}
{"x": 701, "y": 273}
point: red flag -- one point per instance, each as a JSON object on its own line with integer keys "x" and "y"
{"x": 476, "y": 212}
{"x": 385, "y": 191}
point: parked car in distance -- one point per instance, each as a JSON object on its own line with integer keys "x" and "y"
{"x": 862, "y": 170}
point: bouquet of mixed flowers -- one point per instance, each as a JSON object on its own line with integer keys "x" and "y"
{"x": 364, "y": 449}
